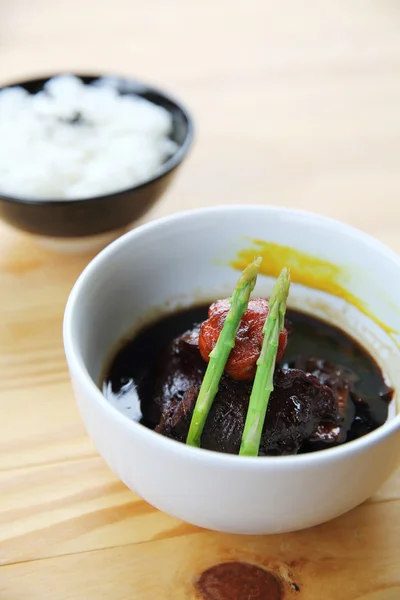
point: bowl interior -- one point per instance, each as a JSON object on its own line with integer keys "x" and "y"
{"x": 186, "y": 259}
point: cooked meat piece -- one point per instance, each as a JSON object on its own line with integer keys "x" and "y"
{"x": 225, "y": 422}
{"x": 340, "y": 381}
{"x": 327, "y": 433}
{"x": 177, "y": 415}
{"x": 241, "y": 364}
{"x": 297, "y": 407}
{"x": 180, "y": 368}
{"x": 336, "y": 377}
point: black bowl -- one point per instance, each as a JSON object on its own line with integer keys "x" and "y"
{"x": 101, "y": 214}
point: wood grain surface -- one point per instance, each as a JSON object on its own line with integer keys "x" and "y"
{"x": 296, "y": 104}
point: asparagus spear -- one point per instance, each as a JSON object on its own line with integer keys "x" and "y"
{"x": 220, "y": 354}
{"x": 263, "y": 381}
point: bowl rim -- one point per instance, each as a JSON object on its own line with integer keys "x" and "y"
{"x": 171, "y": 163}
{"x": 147, "y": 436}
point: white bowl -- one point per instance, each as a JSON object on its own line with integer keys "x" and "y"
{"x": 183, "y": 259}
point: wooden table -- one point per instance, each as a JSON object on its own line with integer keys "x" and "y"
{"x": 297, "y": 104}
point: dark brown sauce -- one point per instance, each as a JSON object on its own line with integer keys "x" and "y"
{"x": 129, "y": 381}
{"x": 239, "y": 581}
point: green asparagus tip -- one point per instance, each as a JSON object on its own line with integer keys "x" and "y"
{"x": 263, "y": 381}
{"x": 220, "y": 354}
{"x": 251, "y": 271}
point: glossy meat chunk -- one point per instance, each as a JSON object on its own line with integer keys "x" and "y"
{"x": 340, "y": 381}
{"x": 298, "y": 405}
{"x": 180, "y": 368}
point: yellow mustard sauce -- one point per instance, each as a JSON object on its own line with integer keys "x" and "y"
{"x": 305, "y": 269}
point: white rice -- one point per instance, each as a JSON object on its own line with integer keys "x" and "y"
{"x": 119, "y": 141}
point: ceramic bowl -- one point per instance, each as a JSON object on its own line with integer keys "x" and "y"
{"x": 83, "y": 223}
{"x": 343, "y": 276}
